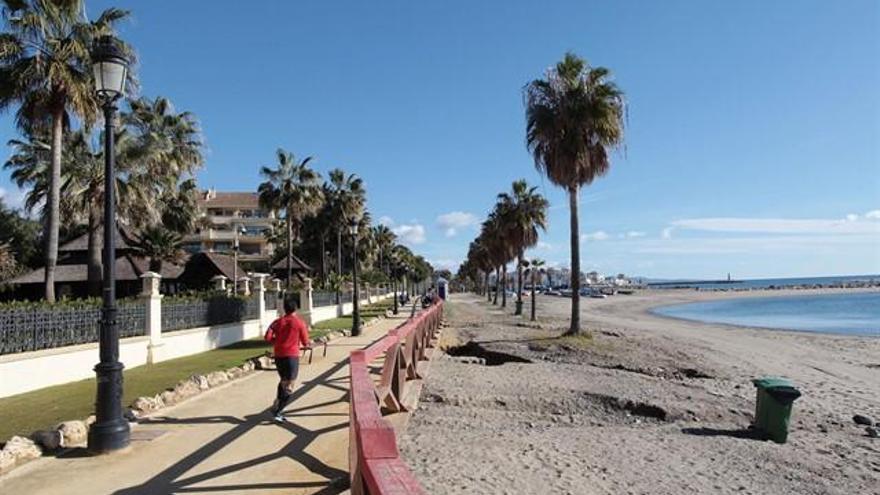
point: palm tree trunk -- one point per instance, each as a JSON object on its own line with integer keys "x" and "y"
{"x": 338, "y": 262}
{"x": 289, "y": 252}
{"x": 519, "y": 277}
{"x": 323, "y": 263}
{"x": 53, "y": 215}
{"x": 95, "y": 267}
{"x": 504, "y": 293}
{"x": 575, "y": 326}
{"x": 497, "y": 283}
{"x": 486, "y": 284}
{"x": 533, "y": 294}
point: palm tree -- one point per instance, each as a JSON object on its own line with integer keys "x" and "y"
{"x": 294, "y": 189}
{"x": 180, "y": 208}
{"x": 535, "y": 268}
{"x": 574, "y": 118}
{"x": 347, "y": 197}
{"x": 166, "y": 145}
{"x": 159, "y": 244}
{"x": 45, "y": 70}
{"x": 385, "y": 240}
{"x": 526, "y": 212}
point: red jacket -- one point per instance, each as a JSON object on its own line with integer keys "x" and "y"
{"x": 287, "y": 334}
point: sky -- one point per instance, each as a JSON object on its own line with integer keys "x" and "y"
{"x": 752, "y": 140}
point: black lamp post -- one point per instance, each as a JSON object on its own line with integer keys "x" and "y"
{"x": 110, "y": 431}
{"x": 355, "y": 312}
{"x": 394, "y": 271}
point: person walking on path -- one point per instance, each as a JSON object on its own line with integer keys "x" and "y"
{"x": 287, "y": 335}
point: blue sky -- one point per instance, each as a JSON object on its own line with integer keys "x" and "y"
{"x": 752, "y": 146}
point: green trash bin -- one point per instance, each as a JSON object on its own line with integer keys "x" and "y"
{"x": 773, "y": 407}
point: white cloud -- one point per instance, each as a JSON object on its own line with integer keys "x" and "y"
{"x": 445, "y": 264}
{"x": 386, "y": 221}
{"x": 632, "y": 234}
{"x": 759, "y": 245}
{"x": 453, "y": 221}
{"x": 666, "y": 233}
{"x": 873, "y": 215}
{"x": 779, "y": 225}
{"x": 12, "y": 199}
{"x": 544, "y": 245}
{"x": 599, "y": 235}
{"x": 852, "y": 217}
{"x": 410, "y": 234}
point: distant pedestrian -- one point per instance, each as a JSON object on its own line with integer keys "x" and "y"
{"x": 287, "y": 334}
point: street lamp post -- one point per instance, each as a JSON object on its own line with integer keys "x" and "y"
{"x": 235, "y": 245}
{"x": 110, "y": 431}
{"x": 355, "y": 313}
{"x": 393, "y": 272}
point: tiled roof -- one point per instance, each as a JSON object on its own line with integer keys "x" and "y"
{"x": 128, "y": 268}
{"x": 229, "y": 200}
{"x": 296, "y": 265}
{"x": 81, "y": 243}
{"x": 225, "y": 264}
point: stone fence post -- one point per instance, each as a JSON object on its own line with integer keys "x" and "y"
{"x": 243, "y": 286}
{"x": 305, "y": 301}
{"x": 153, "y": 302}
{"x": 220, "y": 283}
{"x": 260, "y": 290}
{"x": 367, "y": 291}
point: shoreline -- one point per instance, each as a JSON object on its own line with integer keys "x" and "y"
{"x": 765, "y": 293}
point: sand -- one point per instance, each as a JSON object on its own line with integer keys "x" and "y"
{"x": 651, "y": 405}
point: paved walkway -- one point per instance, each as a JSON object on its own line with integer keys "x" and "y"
{"x": 224, "y": 440}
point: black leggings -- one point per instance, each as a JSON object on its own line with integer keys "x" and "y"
{"x": 288, "y": 369}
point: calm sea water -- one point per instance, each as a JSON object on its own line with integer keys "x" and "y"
{"x": 779, "y": 282}
{"x": 848, "y": 313}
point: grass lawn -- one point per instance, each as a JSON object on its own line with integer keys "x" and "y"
{"x": 368, "y": 313}
{"x": 25, "y": 413}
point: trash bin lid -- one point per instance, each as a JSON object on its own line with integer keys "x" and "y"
{"x": 771, "y": 382}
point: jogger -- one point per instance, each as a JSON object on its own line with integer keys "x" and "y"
{"x": 287, "y": 334}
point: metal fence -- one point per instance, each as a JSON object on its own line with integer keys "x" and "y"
{"x": 31, "y": 329}
{"x": 271, "y": 300}
{"x": 213, "y": 310}
{"x": 323, "y": 298}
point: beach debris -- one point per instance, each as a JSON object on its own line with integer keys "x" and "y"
{"x": 872, "y": 432}
{"x": 491, "y": 358}
{"x": 860, "y": 419}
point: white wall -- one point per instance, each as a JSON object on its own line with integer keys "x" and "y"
{"x": 29, "y": 371}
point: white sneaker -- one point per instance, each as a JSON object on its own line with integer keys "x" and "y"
{"x": 279, "y": 418}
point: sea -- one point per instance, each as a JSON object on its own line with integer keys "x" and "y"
{"x": 768, "y": 283}
{"x": 849, "y": 313}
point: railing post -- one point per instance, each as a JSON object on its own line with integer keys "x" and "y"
{"x": 305, "y": 301}
{"x": 153, "y": 307}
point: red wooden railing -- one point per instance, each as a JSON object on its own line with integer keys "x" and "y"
{"x": 374, "y": 461}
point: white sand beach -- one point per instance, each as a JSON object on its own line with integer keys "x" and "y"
{"x": 653, "y": 405}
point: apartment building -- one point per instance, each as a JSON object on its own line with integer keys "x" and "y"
{"x": 224, "y": 213}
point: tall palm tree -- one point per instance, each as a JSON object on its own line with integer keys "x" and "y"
{"x": 574, "y": 118}
{"x": 294, "y": 189}
{"x": 165, "y": 144}
{"x": 45, "y": 70}
{"x": 526, "y": 212}
{"x": 385, "y": 240}
{"x": 348, "y": 198}
{"x": 180, "y": 208}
